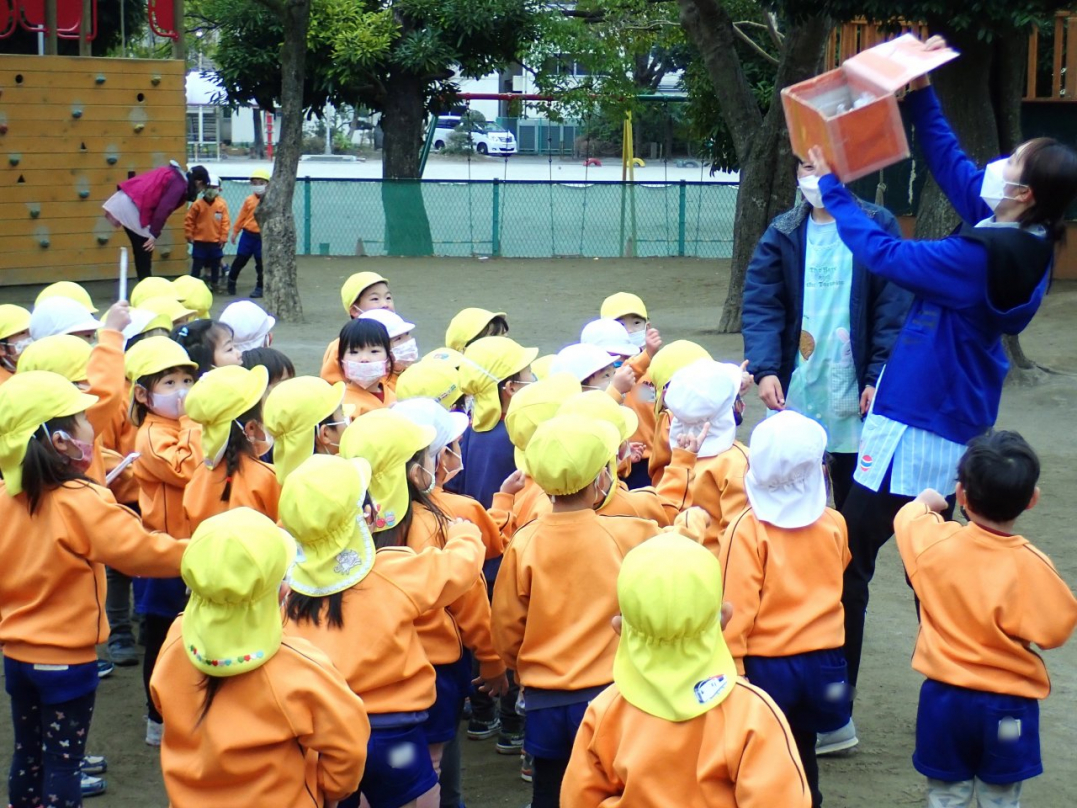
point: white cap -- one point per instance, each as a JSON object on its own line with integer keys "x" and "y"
{"x": 581, "y": 361}
{"x": 448, "y": 426}
{"x": 785, "y": 482}
{"x": 701, "y": 393}
{"x": 60, "y": 315}
{"x": 140, "y": 318}
{"x": 214, "y": 181}
{"x": 393, "y": 322}
{"x": 609, "y": 335}
{"x": 249, "y": 322}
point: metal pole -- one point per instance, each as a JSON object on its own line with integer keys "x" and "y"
{"x": 307, "y": 216}
{"x": 495, "y": 237}
{"x": 85, "y": 26}
{"x": 682, "y": 206}
{"x": 178, "y": 45}
{"x": 51, "y": 36}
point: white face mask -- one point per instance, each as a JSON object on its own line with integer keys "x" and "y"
{"x": 809, "y": 187}
{"x": 430, "y": 488}
{"x": 993, "y": 189}
{"x": 259, "y": 190}
{"x": 21, "y": 346}
{"x": 638, "y": 338}
{"x": 407, "y": 352}
{"x": 365, "y": 374}
{"x": 168, "y": 405}
{"x": 262, "y": 446}
{"x": 459, "y": 466}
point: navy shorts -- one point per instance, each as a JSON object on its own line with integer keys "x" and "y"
{"x": 453, "y": 684}
{"x": 250, "y": 244}
{"x": 551, "y": 731}
{"x": 50, "y": 684}
{"x": 812, "y": 689}
{"x": 206, "y": 250}
{"x": 398, "y": 768}
{"x": 962, "y": 734}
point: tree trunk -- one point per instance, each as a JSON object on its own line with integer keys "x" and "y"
{"x": 407, "y": 227}
{"x": 274, "y": 214}
{"x": 259, "y": 149}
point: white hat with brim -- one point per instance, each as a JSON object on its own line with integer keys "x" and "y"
{"x": 704, "y": 393}
{"x": 581, "y": 361}
{"x": 250, "y": 324}
{"x": 393, "y": 322}
{"x": 610, "y": 336}
{"x": 448, "y": 426}
{"x": 785, "y": 482}
{"x": 61, "y": 315}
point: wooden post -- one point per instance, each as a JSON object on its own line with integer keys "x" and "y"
{"x": 1033, "y": 61}
{"x": 178, "y": 51}
{"x": 85, "y": 27}
{"x": 51, "y": 36}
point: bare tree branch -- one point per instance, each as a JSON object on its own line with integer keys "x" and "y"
{"x": 747, "y": 40}
{"x": 776, "y": 36}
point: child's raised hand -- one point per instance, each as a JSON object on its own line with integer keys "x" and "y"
{"x": 691, "y": 440}
{"x": 933, "y": 499}
{"x": 653, "y": 341}
{"x": 514, "y": 483}
{"x": 118, "y": 317}
{"x": 636, "y": 451}
{"x": 624, "y": 380}
{"x": 746, "y": 378}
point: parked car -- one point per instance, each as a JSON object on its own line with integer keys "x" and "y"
{"x": 487, "y": 138}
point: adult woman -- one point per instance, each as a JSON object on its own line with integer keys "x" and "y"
{"x": 942, "y": 384}
{"x": 143, "y": 203}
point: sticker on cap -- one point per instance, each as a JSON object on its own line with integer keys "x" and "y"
{"x": 710, "y": 689}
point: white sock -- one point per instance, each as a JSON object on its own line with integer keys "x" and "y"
{"x": 942, "y": 794}
{"x": 995, "y": 796}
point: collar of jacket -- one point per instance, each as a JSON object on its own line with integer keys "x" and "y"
{"x": 793, "y": 218}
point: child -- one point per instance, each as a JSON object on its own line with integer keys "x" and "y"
{"x": 403, "y": 347}
{"x": 360, "y": 607}
{"x": 678, "y": 727}
{"x": 61, "y": 315}
{"x": 152, "y": 287}
{"x": 783, "y": 560}
{"x": 69, "y": 289}
{"x": 251, "y": 326}
{"x": 363, "y": 291}
{"x": 364, "y": 356}
{"x": 209, "y": 344}
{"x": 171, "y": 308}
{"x": 206, "y": 228}
{"x": 305, "y": 416}
{"x": 276, "y": 363}
{"x": 145, "y": 323}
{"x": 431, "y": 378}
{"x": 251, "y": 717}
{"x": 249, "y": 233}
{"x": 564, "y": 597}
{"x": 595, "y": 369}
{"x": 471, "y": 324}
{"x": 193, "y": 293}
{"x": 14, "y": 338}
{"x": 169, "y": 452}
{"x": 227, "y": 404}
{"x": 50, "y": 588}
{"x": 667, "y": 361}
{"x": 986, "y": 595}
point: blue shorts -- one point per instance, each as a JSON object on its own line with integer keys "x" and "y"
{"x": 551, "y": 731}
{"x": 453, "y": 684}
{"x": 962, "y": 734}
{"x": 206, "y": 250}
{"x": 398, "y": 768}
{"x": 812, "y": 689}
{"x": 49, "y": 684}
{"x": 250, "y": 244}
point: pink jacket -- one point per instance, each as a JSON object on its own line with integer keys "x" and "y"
{"x": 157, "y": 194}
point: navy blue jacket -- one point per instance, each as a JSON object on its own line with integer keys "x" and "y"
{"x": 774, "y": 302}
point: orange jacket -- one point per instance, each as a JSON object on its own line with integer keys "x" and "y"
{"x": 290, "y": 733}
{"x": 556, "y": 593}
{"x": 170, "y": 452}
{"x": 254, "y": 485}
{"x": 785, "y": 586}
{"x": 104, "y": 372}
{"x": 331, "y": 370}
{"x": 52, "y": 589}
{"x": 365, "y": 401}
{"x": 713, "y": 483}
{"x": 740, "y": 754}
{"x": 463, "y": 623}
{"x": 118, "y": 441}
{"x": 379, "y": 650}
{"x": 641, "y": 399}
{"x": 463, "y": 507}
{"x": 5, "y": 374}
{"x": 245, "y": 220}
{"x": 207, "y": 221}
{"x": 661, "y": 452}
{"x": 985, "y": 598}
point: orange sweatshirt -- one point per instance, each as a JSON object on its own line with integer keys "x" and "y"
{"x": 290, "y": 733}
{"x": 245, "y": 220}
{"x": 379, "y": 650}
{"x": 661, "y": 452}
{"x": 118, "y": 441}
{"x": 463, "y": 623}
{"x": 556, "y": 593}
{"x": 740, "y": 754}
{"x": 641, "y": 399}
{"x": 365, "y": 401}
{"x": 5, "y": 374}
{"x": 170, "y": 453}
{"x": 331, "y": 370}
{"x": 254, "y": 485}
{"x": 985, "y": 598}
{"x": 463, "y": 507}
{"x": 104, "y": 372}
{"x": 714, "y": 483}
{"x": 208, "y": 221}
{"x": 785, "y": 585}
{"x": 52, "y": 589}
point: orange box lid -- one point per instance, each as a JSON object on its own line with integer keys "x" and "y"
{"x": 891, "y": 65}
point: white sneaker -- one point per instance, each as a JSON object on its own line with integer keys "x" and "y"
{"x": 829, "y": 743}
{"x": 154, "y": 731}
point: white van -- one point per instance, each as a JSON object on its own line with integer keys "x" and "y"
{"x": 488, "y": 138}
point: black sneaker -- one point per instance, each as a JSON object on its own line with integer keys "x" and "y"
{"x": 479, "y": 730}
{"x": 122, "y": 651}
{"x": 510, "y": 743}
{"x": 231, "y": 288}
{"x": 257, "y": 292}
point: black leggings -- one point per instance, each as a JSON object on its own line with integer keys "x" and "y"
{"x": 50, "y": 740}
{"x": 156, "y": 630}
{"x": 237, "y": 267}
{"x": 840, "y": 469}
{"x": 549, "y": 774}
{"x": 143, "y": 260}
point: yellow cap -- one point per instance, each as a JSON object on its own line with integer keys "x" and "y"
{"x": 13, "y": 319}
{"x": 261, "y": 174}
{"x": 568, "y": 452}
{"x": 430, "y": 378}
{"x": 218, "y": 399}
{"x": 672, "y": 661}
{"x": 387, "y": 440}
{"x": 668, "y": 361}
{"x": 291, "y": 414}
{"x": 321, "y": 505}
{"x": 68, "y": 289}
{"x": 355, "y": 285}
{"x": 541, "y": 366}
{"x": 194, "y": 294}
{"x": 535, "y": 404}
{"x": 64, "y": 354}
{"x": 234, "y": 567}
{"x": 444, "y": 354}
{"x": 151, "y": 287}
{"x": 154, "y": 354}
{"x": 487, "y": 363}
{"x": 598, "y": 405}
{"x": 28, "y": 400}
{"x": 622, "y": 304}
{"x": 467, "y": 325}
{"x": 169, "y": 307}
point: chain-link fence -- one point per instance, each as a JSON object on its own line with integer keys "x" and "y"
{"x": 514, "y": 219}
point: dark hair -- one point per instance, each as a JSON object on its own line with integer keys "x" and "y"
{"x": 365, "y": 333}
{"x": 515, "y": 377}
{"x": 210, "y": 685}
{"x": 397, "y": 536}
{"x": 999, "y": 473}
{"x": 238, "y": 447}
{"x": 277, "y": 363}
{"x": 196, "y": 174}
{"x": 137, "y": 338}
{"x": 497, "y": 327}
{"x": 308, "y": 608}
{"x": 200, "y": 339}
{"x": 138, "y": 409}
{"x": 44, "y": 469}
{"x": 1049, "y": 169}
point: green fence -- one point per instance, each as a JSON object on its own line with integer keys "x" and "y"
{"x": 514, "y": 219}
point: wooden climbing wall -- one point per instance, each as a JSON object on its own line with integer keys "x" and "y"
{"x": 71, "y": 128}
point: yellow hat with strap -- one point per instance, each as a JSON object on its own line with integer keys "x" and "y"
{"x": 194, "y": 294}
{"x": 542, "y": 366}
{"x": 488, "y": 362}
{"x": 70, "y": 290}
{"x": 151, "y": 287}
{"x": 321, "y": 505}
{"x": 261, "y": 174}
{"x": 64, "y": 354}
{"x": 622, "y": 304}
{"x": 13, "y": 320}
{"x": 568, "y": 452}
{"x": 445, "y": 354}
{"x": 153, "y": 355}
{"x": 169, "y": 307}
{"x": 354, "y": 287}
{"x": 597, "y": 404}
{"x": 387, "y": 440}
{"x": 669, "y": 360}
{"x": 291, "y": 414}
{"x": 218, "y": 399}
{"x": 672, "y": 661}
{"x": 28, "y": 400}
{"x": 536, "y": 403}
{"x": 467, "y": 325}
{"x": 234, "y": 567}
{"x": 430, "y": 378}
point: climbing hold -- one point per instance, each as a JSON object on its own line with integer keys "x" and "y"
{"x": 20, "y": 180}
{"x": 18, "y": 78}
{"x": 155, "y": 80}
{"x": 102, "y": 240}
{"x": 111, "y": 159}
{"x": 3, "y": 128}
{"x": 35, "y": 211}
{"x": 14, "y": 159}
{"x": 44, "y": 243}
{"x": 140, "y": 97}
{"x": 76, "y": 112}
{"x": 84, "y": 193}
{"x": 166, "y": 254}
{"x": 99, "y": 80}
{"x": 82, "y": 147}
{"x": 139, "y": 127}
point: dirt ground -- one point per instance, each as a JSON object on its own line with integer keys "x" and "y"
{"x": 547, "y": 303}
